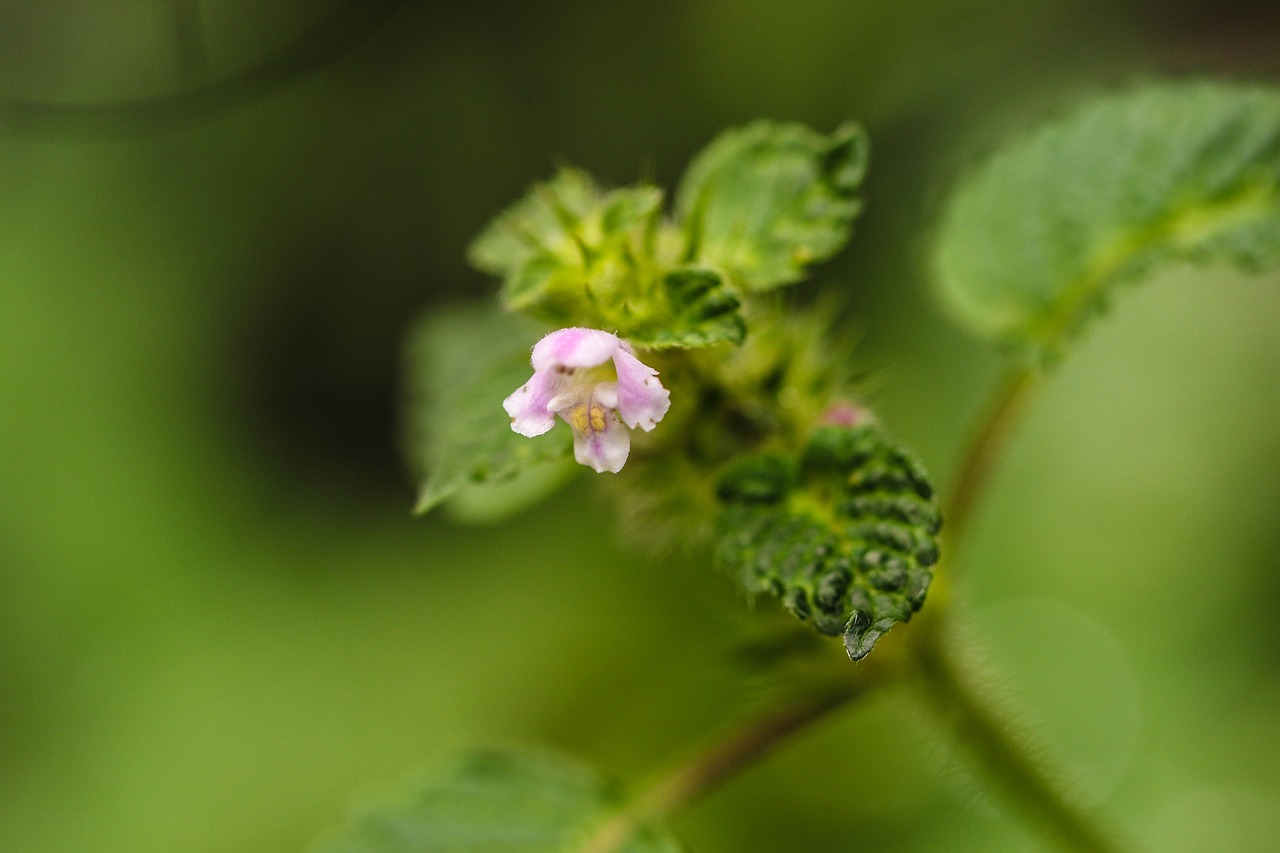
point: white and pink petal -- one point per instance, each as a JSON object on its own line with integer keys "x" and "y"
{"x": 604, "y": 450}
{"x": 570, "y": 381}
{"x": 573, "y": 347}
{"x": 642, "y": 401}
{"x": 528, "y": 404}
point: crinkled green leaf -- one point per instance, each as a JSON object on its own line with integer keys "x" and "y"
{"x": 1032, "y": 245}
{"x": 756, "y": 208}
{"x": 568, "y": 247}
{"x": 845, "y": 534}
{"x": 765, "y": 201}
{"x": 492, "y": 802}
{"x": 462, "y": 364}
{"x": 698, "y": 309}
{"x": 572, "y": 253}
{"x": 575, "y": 255}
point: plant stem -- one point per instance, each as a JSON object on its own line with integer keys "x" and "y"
{"x": 188, "y": 27}
{"x": 991, "y": 738}
{"x": 979, "y": 725}
{"x": 984, "y": 447}
{"x": 717, "y": 763}
{"x": 1026, "y": 784}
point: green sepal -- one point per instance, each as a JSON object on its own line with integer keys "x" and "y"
{"x": 462, "y": 364}
{"x": 845, "y": 533}
{"x": 1034, "y": 243}
{"x": 496, "y": 802}
{"x": 765, "y": 201}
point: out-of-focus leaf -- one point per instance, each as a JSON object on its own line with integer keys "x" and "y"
{"x": 765, "y": 201}
{"x": 462, "y": 364}
{"x": 845, "y": 534}
{"x": 492, "y": 802}
{"x": 1034, "y": 243}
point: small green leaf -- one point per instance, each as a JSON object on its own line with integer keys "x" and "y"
{"x": 462, "y": 365}
{"x": 492, "y": 802}
{"x": 571, "y": 253}
{"x": 698, "y": 309}
{"x": 765, "y": 201}
{"x": 1033, "y": 244}
{"x": 845, "y": 534}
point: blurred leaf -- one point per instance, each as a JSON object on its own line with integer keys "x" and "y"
{"x": 492, "y": 802}
{"x": 845, "y": 534}
{"x": 462, "y": 364}
{"x": 1033, "y": 244}
{"x": 765, "y": 201}
{"x": 700, "y": 309}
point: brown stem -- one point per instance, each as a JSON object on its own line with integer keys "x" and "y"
{"x": 712, "y": 766}
{"x": 980, "y": 456}
{"x": 981, "y": 727}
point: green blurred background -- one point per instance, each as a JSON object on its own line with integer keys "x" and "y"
{"x": 220, "y": 625}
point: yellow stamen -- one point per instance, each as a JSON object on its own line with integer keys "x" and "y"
{"x": 586, "y": 417}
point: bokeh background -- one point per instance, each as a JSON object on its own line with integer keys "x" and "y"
{"x": 220, "y": 624}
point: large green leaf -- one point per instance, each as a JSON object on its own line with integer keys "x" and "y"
{"x": 1033, "y": 244}
{"x": 492, "y": 802}
{"x": 765, "y": 201}
{"x": 845, "y": 534}
{"x": 462, "y": 364}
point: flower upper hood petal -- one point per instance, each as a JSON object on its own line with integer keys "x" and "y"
{"x": 574, "y": 347}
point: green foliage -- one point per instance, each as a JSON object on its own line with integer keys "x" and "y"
{"x": 845, "y": 533}
{"x": 575, "y": 255}
{"x": 699, "y": 309}
{"x": 570, "y": 253}
{"x": 462, "y": 364}
{"x": 492, "y": 802}
{"x": 757, "y": 208}
{"x": 1034, "y": 243}
{"x": 766, "y": 201}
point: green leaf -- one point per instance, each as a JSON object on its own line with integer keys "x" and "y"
{"x": 571, "y": 253}
{"x": 699, "y": 309}
{"x": 491, "y": 802}
{"x": 462, "y": 364}
{"x": 1032, "y": 245}
{"x": 845, "y": 534}
{"x": 765, "y": 201}
{"x": 575, "y": 255}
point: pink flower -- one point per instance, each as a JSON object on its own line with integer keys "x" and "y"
{"x": 594, "y": 382}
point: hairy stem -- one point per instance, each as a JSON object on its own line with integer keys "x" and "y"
{"x": 951, "y": 688}
{"x": 984, "y": 447}
{"x": 948, "y": 686}
{"x": 991, "y": 738}
{"x": 718, "y": 762}
{"x": 188, "y": 28}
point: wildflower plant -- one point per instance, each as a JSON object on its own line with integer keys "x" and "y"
{"x": 651, "y": 345}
